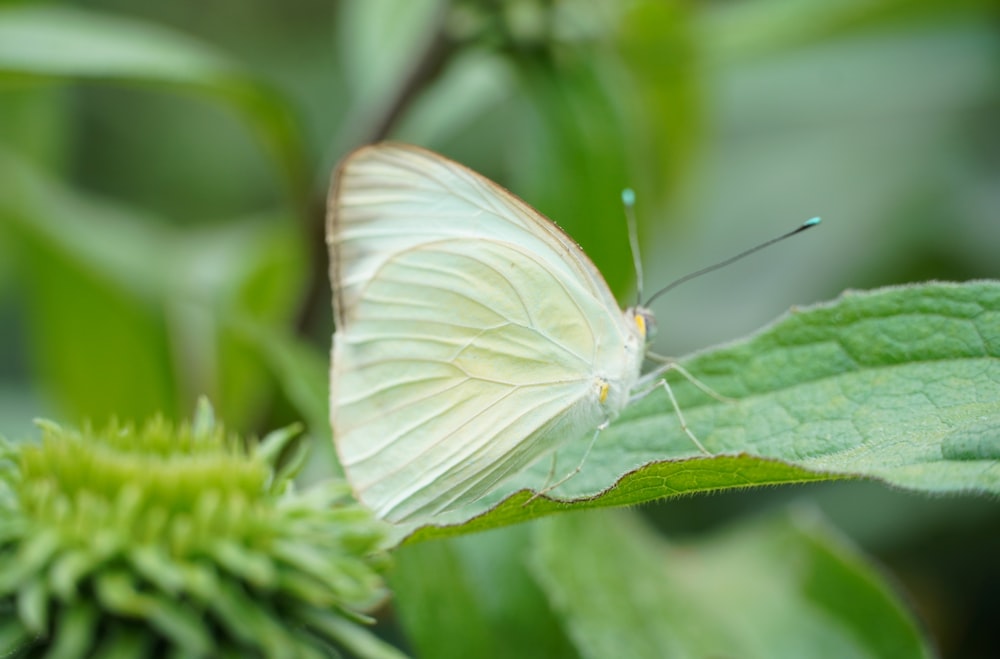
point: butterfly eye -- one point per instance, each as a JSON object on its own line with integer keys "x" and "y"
{"x": 645, "y": 321}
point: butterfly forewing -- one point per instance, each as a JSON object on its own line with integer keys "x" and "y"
{"x": 389, "y": 197}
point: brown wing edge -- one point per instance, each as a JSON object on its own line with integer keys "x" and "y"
{"x": 332, "y": 226}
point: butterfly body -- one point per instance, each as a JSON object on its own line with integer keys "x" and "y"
{"x": 473, "y": 336}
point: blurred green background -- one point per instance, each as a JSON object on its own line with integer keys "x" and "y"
{"x": 163, "y": 171}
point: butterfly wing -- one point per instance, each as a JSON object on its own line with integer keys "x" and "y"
{"x": 473, "y": 335}
{"x": 389, "y": 197}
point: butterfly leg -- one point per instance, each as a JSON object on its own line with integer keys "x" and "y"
{"x": 552, "y": 469}
{"x": 674, "y": 366}
{"x": 667, "y": 364}
{"x": 680, "y": 415}
{"x": 552, "y": 473}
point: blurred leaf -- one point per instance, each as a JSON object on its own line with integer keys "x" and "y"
{"x": 473, "y": 597}
{"x": 358, "y": 640}
{"x": 63, "y": 43}
{"x": 301, "y": 370}
{"x": 780, "y": 587}
{"x": 125, "y": 316}
{"x": 33, "y": 121}
{"x": 383, "y": 41}
{"x": 71, "y": 42}
{"x": 753, "y": 28}
{"x": 576, "y": 167}
{"x": 868, "y": 386}
{"x": 95, "y": 331}
{"x": 452, "y": 111}
{"x": 665, "y": 104}
{"x": 303, "y": 374}
{"x": 251, "y": 269}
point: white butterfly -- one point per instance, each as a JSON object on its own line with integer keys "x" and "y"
{"x": 473, "y": 335}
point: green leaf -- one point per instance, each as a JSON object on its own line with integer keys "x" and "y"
{"x": 78, "y": 625}
{"x": 901, "y": 385}
{"x": 146, "y": 334}
{"x": 61, "y": 43}
{"x": 361, "y": 642}
{"x": 13, "y": 635}
{"x": 660, "y": 49}
{"x": 784, "y": 586}
{"x": 979, "y": 439}
{"x": 577, "y": 139}
{"x": 752, "y": 29}
{"x": 302, "y": 371}
{"x": 474, "y": 597}
{"x": 96, "y": 337}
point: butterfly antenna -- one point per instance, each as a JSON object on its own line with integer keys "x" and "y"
{"x": 628, "y": 200}
{"x": 808, "y": 224}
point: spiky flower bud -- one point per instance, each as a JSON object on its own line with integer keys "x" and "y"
{"x": 172, "y": 541}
